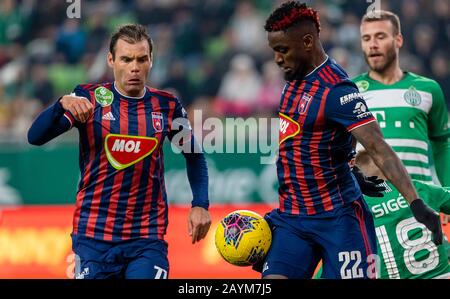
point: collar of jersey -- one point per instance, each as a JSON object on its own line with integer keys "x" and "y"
{"x": 318, "y": 67}
{"x": 128, "y": 97}
{"x": 405, "y": 76}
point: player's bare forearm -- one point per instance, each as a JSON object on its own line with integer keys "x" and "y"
{"x": 386, "y": 159}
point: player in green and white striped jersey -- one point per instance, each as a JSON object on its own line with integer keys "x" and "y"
{"x": 410, "y": 109}
{"x": 405, "y": 247}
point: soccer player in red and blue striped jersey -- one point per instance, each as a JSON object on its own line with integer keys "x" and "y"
{"x": 121, "y": 209}
{"x": 322, "y": 214}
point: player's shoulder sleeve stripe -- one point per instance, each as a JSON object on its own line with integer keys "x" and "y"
{"x": 361, "y": 123}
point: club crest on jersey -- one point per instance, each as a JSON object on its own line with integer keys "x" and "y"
{"x": 103, "y": 96}
{"x": 288, "y": 128}
{"x": 412, "y": 97}
{"x": 124, "y": 150}
{"x": 304, "y": 102}
{"x": 157, "y": 120}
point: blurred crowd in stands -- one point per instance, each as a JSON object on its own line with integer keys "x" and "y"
{"x": 212, "y": 53}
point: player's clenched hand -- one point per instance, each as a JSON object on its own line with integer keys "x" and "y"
{"x": 80, "y": 107}
{"x": 199, "y": 222}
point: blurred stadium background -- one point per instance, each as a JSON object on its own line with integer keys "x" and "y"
{"x": 211, "y": 53}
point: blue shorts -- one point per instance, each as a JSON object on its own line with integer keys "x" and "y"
{"x": 130, "y": 259}
{"x": 344, "y": 239}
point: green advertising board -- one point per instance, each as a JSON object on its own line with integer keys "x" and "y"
{"x": 49, "y": 175}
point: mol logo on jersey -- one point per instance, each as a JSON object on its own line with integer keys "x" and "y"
{"x": 288, "y": 127}
{"x": 124, "y": 150}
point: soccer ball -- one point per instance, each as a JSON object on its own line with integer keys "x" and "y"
{"x": 243, "y": 238}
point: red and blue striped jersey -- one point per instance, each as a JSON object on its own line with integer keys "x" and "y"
{"x": 315, "y": 145}
{"x": 121, "y": 193}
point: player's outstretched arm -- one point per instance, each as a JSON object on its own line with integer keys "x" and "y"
{"x": 385, "y": 158}
{"x": 181, "y": 136}
{"x": 371, "y": 138}
{"x": 199, "y": 219}
{"x": 52, "y": 122}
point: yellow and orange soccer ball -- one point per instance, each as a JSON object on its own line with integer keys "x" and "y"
{"x": 243, "y": 238}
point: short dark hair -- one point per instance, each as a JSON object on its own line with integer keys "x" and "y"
{"x": 289, "y": 14}
{"x": 383, "y": 15}
{"x": 131, "y": 33}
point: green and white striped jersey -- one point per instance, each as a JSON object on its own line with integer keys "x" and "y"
{"x": 405, "y": 247}
{"x": 409, "y": 112}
